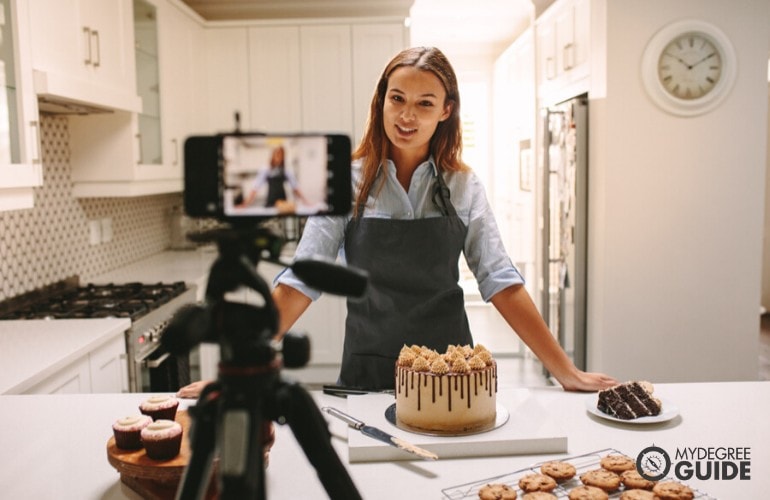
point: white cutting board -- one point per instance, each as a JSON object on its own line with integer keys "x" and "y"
{"x": 530, "y": 429}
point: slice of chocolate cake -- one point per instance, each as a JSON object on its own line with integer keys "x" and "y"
{"x": 629, "y": 401}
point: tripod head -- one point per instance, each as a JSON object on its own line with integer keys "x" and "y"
{"x": 233, "y": 414}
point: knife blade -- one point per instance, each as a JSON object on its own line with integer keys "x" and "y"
{"x": 379, "y": 434}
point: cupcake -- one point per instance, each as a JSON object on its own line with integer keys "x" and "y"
{"x": 162, "y": 439}
{"x": 160, "y": 407}
{"x": 127, "y": 431}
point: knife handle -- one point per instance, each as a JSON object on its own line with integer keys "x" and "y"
{"x": 351, "y": 421}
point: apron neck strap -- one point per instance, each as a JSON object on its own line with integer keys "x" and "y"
{"x": 441, "y": 196}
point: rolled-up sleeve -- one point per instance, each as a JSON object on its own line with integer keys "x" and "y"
{"x": 484, "y": 249}
{"x": 321, "y": 239}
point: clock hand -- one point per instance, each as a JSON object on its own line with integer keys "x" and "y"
{"x": 678, "y": 59}
{"x": 704, "y": 59}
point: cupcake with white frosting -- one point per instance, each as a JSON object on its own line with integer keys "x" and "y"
{"x": 160, "y": 407}
{"x": 127, "y": 431}
{"x": 162, "y": 439}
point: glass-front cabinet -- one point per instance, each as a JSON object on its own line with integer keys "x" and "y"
{"x": 148, "y": 82}
{"x": 20, "y": 155}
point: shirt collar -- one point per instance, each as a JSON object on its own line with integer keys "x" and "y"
{"x": 430, "y": 161}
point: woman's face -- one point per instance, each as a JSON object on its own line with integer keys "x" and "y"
{"x": 414, "y": 106}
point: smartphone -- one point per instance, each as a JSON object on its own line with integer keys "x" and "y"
{"x": 235, "y": 177}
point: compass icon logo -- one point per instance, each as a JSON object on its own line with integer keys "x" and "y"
{"x": 653, "y": 463}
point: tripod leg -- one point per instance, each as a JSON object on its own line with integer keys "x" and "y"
{"x": 312, "y": 433}
{"x": 202, "y": 443}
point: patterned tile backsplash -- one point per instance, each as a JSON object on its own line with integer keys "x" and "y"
{"x": 50, "y": 242}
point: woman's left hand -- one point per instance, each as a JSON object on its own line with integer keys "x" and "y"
{"x": 587, "y": 381}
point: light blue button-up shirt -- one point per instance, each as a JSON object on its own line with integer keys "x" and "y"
{"x": 324, "y": 236}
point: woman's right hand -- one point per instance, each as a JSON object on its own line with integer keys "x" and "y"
{"x": 192, "y": 391}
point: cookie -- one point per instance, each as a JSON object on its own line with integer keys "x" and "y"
{"x": 671, "y": 490}
{"x": 617, "y": 463}
{"x": 497, "y": 491}
{"x": 561, "y": 471}
{"x": 633, "y": 480}
{"x": 638, "y": 495}
{"x": 537, "y": 482}
{"x": 539, "y": 495}
{"x": 601, "y": 478}
{"x": 587, "y": 493}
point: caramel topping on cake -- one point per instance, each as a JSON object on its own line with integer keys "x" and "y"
{"x": 420, "y": 365}
{"x": 431, "y": 355}
{"x": 485, "y": 356}
{"x": 476, "y": 363}
{"x": 460, "y": 366}
{"x": 439, "y": 366}
{"x": 406, "y": 358}
{"x": 479, "y": 348}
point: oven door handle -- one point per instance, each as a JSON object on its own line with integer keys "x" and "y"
{"x": 143, "y": 359}
{"x": 157, "y": 362}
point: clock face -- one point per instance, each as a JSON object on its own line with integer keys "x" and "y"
{"x": 690, "y": 66}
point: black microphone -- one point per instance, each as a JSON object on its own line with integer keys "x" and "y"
{"x": 187, "y": 328}
{"x": 332, "y": 278}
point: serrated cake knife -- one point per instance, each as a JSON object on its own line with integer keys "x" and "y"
{"x": 374, "y": 432}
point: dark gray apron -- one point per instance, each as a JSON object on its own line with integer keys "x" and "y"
{"x": 413, "y": 296}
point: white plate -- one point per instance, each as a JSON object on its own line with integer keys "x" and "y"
{"x": 669, "y": 411}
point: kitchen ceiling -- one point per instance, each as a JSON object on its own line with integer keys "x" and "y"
{"x": 468, "y": 24}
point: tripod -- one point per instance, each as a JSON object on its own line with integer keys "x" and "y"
{"x": 233, "y": 414}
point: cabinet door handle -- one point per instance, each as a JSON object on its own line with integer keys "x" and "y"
{"x": 550, "y": 68}
{"x": 175, "y": 142}
{"x": 139, "y": 149}
{"x": 87, "y": 38}
{"x": 35, "y": 129}
{"x": 568, "y": 53}
{"x": 98, "y": 59}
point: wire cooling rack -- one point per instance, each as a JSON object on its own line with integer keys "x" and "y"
{"x": 583, "y": 463}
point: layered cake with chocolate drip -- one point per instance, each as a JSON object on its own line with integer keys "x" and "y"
{"x": 629, "y": 401}
{"x": 451, "y": 392}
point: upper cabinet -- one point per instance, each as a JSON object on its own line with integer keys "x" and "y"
{"x": 563, "y": 43}
{"x": 83, "y": 53}
{"x": 300, "y": 77}
{"x": 20, "y": 160}
{"x": 124, "y": 153}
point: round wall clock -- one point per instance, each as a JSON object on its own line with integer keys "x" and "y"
{"x": 688, "y": 67}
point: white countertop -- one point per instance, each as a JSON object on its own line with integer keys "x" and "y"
{"x": 190, "y": 266}
{"x": 38, "y": 462}
{"x": 32, "y": 350}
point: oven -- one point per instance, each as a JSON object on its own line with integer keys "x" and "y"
{"x": 149, "y": 306}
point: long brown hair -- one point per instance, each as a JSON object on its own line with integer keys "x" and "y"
{"x": 446, "y": 143}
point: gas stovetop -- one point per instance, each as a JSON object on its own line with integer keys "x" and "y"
{"x": 67, "y": 301}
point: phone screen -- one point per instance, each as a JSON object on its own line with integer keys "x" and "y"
{"x": 274, "y": 175}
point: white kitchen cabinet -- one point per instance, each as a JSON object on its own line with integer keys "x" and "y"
{"x": 374, "y": 45}
{"x": 563, "y": 41}
{"x": 275, "y": 76}
{"x": 181, "y": 46}
{"x": 20, "y": 155}
{"x": 300, "y": 78}
{"x": 108, "y": 367}
{"x": 327, "y": 85}
{"x": 125, "y": 154}
{"x": 296, "y": 77}
{"x": 83, "y": 52}
{"x": 103, "y": 370}
{"x": 227, "y": 79}
{"x": 73, "y": 379}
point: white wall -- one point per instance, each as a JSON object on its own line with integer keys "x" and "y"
{"x": 766, "y": 247}
{"x": 676, "y": 207}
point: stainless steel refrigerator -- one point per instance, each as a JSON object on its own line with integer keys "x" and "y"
{"x": 565, "y": 224}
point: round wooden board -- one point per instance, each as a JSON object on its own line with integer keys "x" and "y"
{"x": 136, "y": 463}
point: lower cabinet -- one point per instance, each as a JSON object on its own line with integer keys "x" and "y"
{"x": 103, "y": 370}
